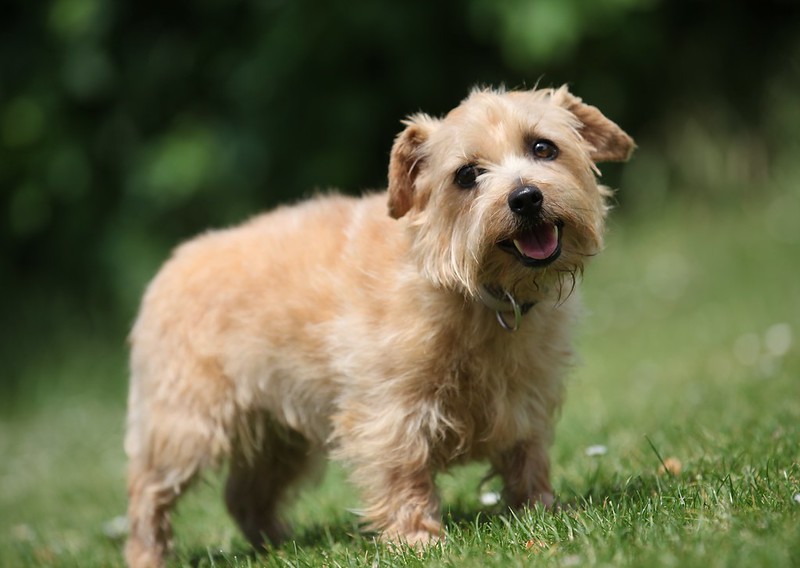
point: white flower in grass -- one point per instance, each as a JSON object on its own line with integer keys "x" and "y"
{"x": 797, "y": 498}
{"x": 778, "y": 339}
{"x": 490, "y": 498}
{"x": 116, "y": 528}
{"x": 596, "y": 450}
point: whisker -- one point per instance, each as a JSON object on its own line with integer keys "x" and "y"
{"x": 587, "y": 254}
{"x": 573, "y": 271}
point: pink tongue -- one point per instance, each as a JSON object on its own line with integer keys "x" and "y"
{"x": 540, "y": 242}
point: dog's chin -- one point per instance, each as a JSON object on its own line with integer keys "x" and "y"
{"x": 535, "y": 246}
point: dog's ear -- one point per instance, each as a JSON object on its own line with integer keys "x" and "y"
{"x": 609, "y": 142}
{"x": 405, "y": 162}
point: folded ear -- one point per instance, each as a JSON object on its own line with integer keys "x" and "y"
{"x": 610, "y": 143}
{"x": 406, "y": 161}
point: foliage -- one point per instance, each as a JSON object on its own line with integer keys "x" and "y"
{"x": 126, "y": 127}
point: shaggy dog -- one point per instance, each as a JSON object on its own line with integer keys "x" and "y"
{"x": 400, "y": 344}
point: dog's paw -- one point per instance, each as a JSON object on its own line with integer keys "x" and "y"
{"x": 422, "y": 539}
{"x": 547, "y": 499}
{"x": 418, "y": 539}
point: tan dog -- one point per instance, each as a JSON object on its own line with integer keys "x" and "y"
{"x": 401, "y": 343}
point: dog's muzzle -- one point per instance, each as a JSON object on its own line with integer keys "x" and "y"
{"x": 538, "y": 241}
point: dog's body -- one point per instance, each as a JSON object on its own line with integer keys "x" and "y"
{"x": 331, "y": 326}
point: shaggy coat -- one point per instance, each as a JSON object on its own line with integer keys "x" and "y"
{"x": 330, "y": 327}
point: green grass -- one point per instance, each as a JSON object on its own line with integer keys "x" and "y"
{"x": 688, "y": 354}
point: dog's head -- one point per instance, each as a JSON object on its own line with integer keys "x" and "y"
{"x": 502, "y": 191}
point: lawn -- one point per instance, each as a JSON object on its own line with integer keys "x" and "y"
{"x": 679, "y": 444}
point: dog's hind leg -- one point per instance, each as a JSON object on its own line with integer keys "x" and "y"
{"x": 160, "y": 470}
{"x": 151, "y": 497}
{"x": 169, "y": 441}
{"x": 259, "y": 478}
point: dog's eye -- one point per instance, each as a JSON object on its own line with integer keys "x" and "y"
{"x": 466, "y": 176}
{"x": 544, "y": 150}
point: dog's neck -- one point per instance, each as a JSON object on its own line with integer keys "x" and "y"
{"x": 509, "y": 311}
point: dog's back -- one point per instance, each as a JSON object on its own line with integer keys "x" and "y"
{"x": 214, "y": 317}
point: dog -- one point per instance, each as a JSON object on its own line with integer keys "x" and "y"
{"x": 399, "y": 344}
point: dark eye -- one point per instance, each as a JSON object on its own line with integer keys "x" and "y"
{"x": 466, "y": 176}
{"x": 544, "y": 150}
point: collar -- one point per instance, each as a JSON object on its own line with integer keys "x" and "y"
{"x": 502, "y": 302}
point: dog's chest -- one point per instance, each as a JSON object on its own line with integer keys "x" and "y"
{"x": 495, "y": 395}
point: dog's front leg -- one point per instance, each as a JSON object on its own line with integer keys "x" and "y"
{"x": 525, "y": 471}
{"x": 405, "y": 507}
{"x": 396, "y": 483}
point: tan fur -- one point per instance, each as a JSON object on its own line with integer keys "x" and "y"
{"x": 332, "y": 327}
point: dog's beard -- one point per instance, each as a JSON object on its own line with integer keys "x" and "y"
{"x": 471, "y": 255}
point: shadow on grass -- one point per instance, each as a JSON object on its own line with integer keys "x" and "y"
{"x": 317, "y": 536}
{"x": 325, "y": 536}
{"x": 459, "y": 519}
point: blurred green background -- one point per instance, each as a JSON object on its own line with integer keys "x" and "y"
{"x": 126, "y": 127}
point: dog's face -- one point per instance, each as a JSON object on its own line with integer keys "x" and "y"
{"x": 502, "y": 192}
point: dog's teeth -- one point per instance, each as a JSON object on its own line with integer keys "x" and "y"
{"x": 519, "y": 247}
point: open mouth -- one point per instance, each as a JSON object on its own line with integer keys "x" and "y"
{"x": 538, "y": 245}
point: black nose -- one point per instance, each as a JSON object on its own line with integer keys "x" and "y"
{"x": 526, "y": 201}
